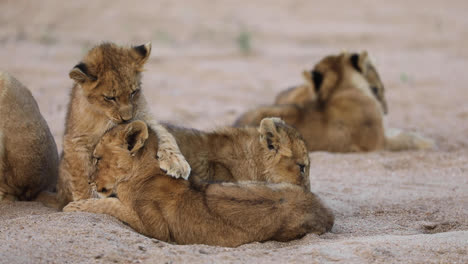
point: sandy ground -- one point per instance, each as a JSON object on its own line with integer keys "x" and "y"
{"x": 211, "y": 61}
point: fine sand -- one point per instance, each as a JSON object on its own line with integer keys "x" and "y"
{"x": 213, "y": 60}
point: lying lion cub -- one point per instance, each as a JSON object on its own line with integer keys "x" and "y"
{"x": 347, "y": 114}
{"x": 274, "y": 152}
{"x": 28, "y": 154}
{"x": 169, "y": 209}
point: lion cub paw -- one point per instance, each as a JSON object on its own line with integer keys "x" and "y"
{"x": 173, "y": 163}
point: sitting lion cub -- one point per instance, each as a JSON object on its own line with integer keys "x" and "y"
{"x": 224, "y": 214}
{"x": 347, "y": 114}
{"x": 274, "y": 152}
{"x": 28, "y": 154}
{"x": 107, "y": 91}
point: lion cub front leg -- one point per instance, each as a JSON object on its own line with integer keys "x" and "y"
{"x": 170, "y": 158}
{"x": 110, "y": 206}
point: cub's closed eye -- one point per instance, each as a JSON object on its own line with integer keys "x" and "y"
{"x": 96, "y": 160}
{"x": 109, "y": 98}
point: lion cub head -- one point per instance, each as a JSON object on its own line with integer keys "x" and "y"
{"x": 119, "y": 153}
{"x": 346, "y": 70}
{"x": 284, "y": 153}
{"x": 109, "y": 76}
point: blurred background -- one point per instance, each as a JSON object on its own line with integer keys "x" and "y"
{"x": 213, "y": 60}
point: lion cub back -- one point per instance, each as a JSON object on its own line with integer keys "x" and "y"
{"x": 28, "y": 154}
{"x": 271, "y": 152}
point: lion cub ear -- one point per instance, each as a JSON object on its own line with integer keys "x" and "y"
{"x": 313, "y": 78}
{"x": 135, "y": 136}
{"x": 80, "y": 73}
{"x": 143, "y": 52}
{"x": 359, "y": 61}
{"x": 269, "y": 134}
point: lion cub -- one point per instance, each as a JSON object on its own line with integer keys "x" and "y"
{"x": 28, "y": 154}
{"x": 107, "y": 91}
{"x": 274, "y": 152}
{"x": 224, "y": 214}
{"x": 302, "y": 94}
{"x": 347, "y": 114}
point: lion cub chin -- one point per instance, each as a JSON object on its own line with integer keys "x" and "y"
{"x": 107, "y": 91}
{"x": 339, "y": 109}
{"x": 28, "y": 154}
{"x": 223, "y": 214}
{"x": 274, "y": 152}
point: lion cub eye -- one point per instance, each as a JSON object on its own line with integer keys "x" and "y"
{"x": 375, "y": 90}
{"x": 96, "y": 160}
{"x": 301, "y": 168}
{"x": 109, "y": 98}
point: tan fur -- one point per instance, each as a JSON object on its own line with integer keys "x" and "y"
{"x": 347, "y": 115}
{"x": 28, "y": 154}
{"x": 242, "y": 154}
{"x": 225, "y": 214}
{"x": 300, "y": 95}
{"x": 107, "y": 91}
{"x": 2, "y": 151}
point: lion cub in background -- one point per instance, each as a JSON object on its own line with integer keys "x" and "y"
{"x": 274, "y": 152}
{"x": 302, "y": 94}
{"x": 347, "y": 114}
{"x": 224, "y": 214}
{"x": 28, "y": 154}
{"x": 106, "y": 92}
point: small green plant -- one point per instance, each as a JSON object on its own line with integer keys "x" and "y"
{"x": 404, "y": 77}
{"x": 47, "y": 38}
{"x": 244, "y": 42}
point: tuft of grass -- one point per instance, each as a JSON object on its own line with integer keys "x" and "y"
{"x": 244, "y": 42}
{"x": 47, "y": 38}
{"x": 404, "y": 77}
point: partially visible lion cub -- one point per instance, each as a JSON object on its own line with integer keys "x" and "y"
{"x": 28, "y": 154}
{"x": 107, "y": 91}
{"x": 224, "y": 214}
{"x": 347, "y": 115}
{"x": 274, "y": 152}
{"x": 302, "y": 94}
